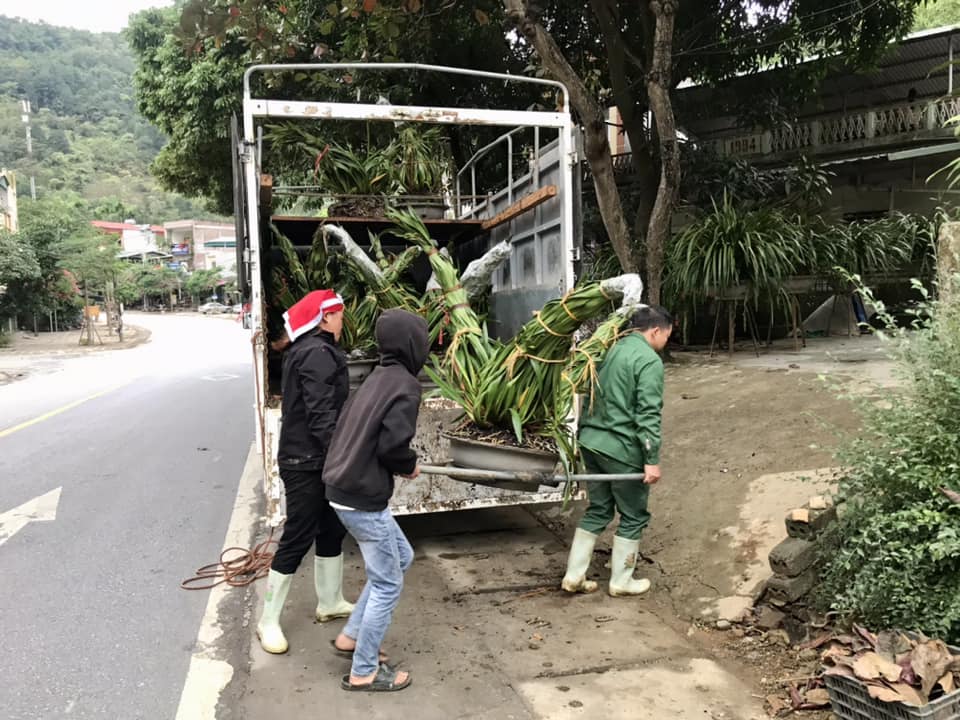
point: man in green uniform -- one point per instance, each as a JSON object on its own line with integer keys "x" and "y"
{"x": 621, "y": 434}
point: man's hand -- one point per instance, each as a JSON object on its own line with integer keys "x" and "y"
{"x": 413, "y": 475}
{"x": 651, "y": 474}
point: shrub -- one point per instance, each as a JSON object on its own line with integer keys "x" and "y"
{"x": 893, "y": 558}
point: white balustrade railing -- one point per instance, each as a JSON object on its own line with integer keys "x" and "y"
{"x": 842, "y": 129}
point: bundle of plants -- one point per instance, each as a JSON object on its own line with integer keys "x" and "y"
{"x": 580, "y": 376}
{"x": 288, "y": 282}
{"x": 520, "y": 384}
{"x": 469, "y": 347}
{"x": 359, "y": 325}
{"x": 384, "y": 285}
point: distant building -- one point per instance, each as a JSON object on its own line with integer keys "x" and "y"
{"x": 203, "y": 245}
{"x": 882, "y": 133}
{"x": 8, "y": 201}
{"x": 136, "y": 243}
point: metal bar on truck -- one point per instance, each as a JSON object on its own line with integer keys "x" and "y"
{"x": 404, "y": 113}
{"x": 530, "y": 477}
{"x": 329, "y": 67}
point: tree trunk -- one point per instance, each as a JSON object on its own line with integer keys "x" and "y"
{"x": 596, "y": 146}
{"x": 658, "y": 90}
{"x": 88, "y": 321}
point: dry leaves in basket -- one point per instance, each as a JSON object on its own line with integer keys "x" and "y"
{"x": 893, "y": 666}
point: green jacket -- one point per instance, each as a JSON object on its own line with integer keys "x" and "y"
{"x": 624, "y": 422}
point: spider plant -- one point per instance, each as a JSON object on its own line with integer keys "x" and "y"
{"x": 732, "y": 248}
{"x": 418, "y": 160}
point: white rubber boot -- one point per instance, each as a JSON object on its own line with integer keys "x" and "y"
{"x": 578, "y": 563}
{"x": 271, "y": 635}
{"x": 623, "y": 561}
{"x": 328, "y": 579}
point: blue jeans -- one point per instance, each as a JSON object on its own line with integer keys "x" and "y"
{"x": 386, "y": 555}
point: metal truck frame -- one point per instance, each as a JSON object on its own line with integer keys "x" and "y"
{"x": 546, "y": 246}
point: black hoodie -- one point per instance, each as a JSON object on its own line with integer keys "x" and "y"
{"x": 372, "y": 440}
{"x": 315, "y": 386}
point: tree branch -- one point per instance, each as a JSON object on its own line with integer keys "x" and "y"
{"x": 597, "y": 148}
{"x": 658, "y": 89}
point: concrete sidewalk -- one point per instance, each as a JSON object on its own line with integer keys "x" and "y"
{"x": 485, "y": 633}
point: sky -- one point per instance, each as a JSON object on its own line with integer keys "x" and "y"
{"x": 94, "y": 15}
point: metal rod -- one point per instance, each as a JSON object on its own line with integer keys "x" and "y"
{"x": 329, "y": 67}
{"x": 950, "y": 66}
{"x": 531, "y": 477}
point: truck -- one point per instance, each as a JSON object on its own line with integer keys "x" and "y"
{"x": 534, "y": 205}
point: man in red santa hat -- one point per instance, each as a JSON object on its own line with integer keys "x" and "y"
{"x": 315, "y": 386}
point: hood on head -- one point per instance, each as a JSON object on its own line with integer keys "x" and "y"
{"x": 403, "y": 338}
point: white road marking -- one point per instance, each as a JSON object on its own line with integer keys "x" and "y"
{"x": 40, "y": 509}
{"x": 209, "y": 674}
{"x": 219, "y": 377}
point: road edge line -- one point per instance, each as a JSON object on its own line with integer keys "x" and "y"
{"x": 208, "y": 674}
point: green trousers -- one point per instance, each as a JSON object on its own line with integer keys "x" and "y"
{"x": 627, "y": 497}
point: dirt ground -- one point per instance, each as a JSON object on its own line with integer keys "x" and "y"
{"x": 487, "y": 633}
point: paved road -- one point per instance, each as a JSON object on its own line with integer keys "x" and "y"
{"x": 148, "y": 453}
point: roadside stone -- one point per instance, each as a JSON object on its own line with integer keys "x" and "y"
{"x": 809, "y": 530}
{"x": 793, "y": 556}
{"x": 787, "y": 589}
{"x": 724, "y": 625}
{"x": 734, "y": 608}
{"x": 770, "y": 618}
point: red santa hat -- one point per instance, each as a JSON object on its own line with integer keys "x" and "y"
{"x": 306, "y": 314}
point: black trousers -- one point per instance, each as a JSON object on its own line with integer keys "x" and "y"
{"x": 310, "y": 520}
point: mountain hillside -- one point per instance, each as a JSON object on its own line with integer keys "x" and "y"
{"x": 88, "y": 140}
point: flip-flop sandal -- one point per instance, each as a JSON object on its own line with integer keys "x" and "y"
{"x": 349, "y": 653}
{"x": 385, "y": 681}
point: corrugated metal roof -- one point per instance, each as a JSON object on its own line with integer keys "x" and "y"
{"x": 915, "y": 67}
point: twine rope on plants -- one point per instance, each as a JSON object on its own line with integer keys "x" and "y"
{"x": 537, "y": 315}
{"x": 563, "y": 304}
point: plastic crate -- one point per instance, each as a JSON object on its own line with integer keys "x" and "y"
{"x": 851, "y": 701}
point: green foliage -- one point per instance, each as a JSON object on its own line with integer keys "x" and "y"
{"x": 216, "y": 39}
{"x": 418, "y": 160}
{"x": 190, "y": 99}
{"x": 18, "y": 261}
{"x": 201, "y": 284}
{"x": 758, "y": 247}
{"x": 87, "y": 138}
{"x": 936, "y": 13}
{"x": 871, "y": 247}
{"x": 46, "y": 228}
{"x": 893, "y": 559}
{"x": 343, "y": 171}
{"x": 91, "y": 258}
{"x": 802, "y": 188}
{"x": 728, "y": 248}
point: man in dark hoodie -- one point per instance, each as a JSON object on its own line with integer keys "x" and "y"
{"x": 315, "y": 387}
{"x": 371, "y": 445}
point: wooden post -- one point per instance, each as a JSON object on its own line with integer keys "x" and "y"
{"x": 948, "y": 262}
{"x": 732, "y": 324}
